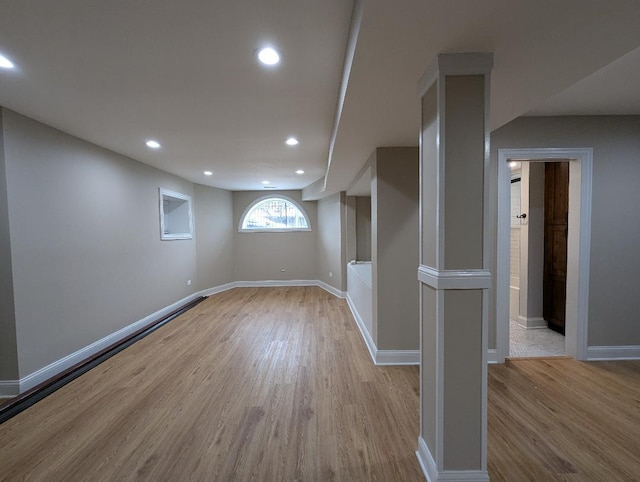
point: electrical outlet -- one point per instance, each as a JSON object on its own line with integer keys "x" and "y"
{"x": 188, "y": 282}
{"x": 330, "y": 274}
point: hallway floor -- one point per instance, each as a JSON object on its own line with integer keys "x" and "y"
{"x": 540, "y": 342}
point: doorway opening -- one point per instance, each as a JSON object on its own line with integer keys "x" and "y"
{"x": 578, "y": 245}
{"x": 538, "y": 257}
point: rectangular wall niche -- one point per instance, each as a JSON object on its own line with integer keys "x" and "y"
{"x": 176, "y": 221}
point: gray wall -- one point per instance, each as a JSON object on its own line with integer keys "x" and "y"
{"x": 263, "y": 256}
{"x": 8, "y": 348}
{"x": 213, "y": 210}
{"x": 614, "y": 303}
{"x": 331, "y": 253}
{"x": 363, "y": 228}
{"x": 395, "y": 249}
{"x": 86, "y": 252}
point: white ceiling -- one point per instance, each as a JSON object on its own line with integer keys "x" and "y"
{"x": 184, "y": 73}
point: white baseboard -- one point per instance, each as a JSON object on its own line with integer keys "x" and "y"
{"x": 76, "y": 357}
{"x": 397, "y": 357}
{"x": 382, "y": 357}
{"x": 9, "y": 388}
{"x": 366, "y": 336}
{"x": 426, "y": 461}
{"x": 275, "y": 282}
{"x": 492, "y": 356}
{"x": 289, "y": 282}
{"x": 331, "y": 289}
{"x": 431, "y": 473}
{"x": 629, "y": 352}
{"x": 532, "y": 323}
{"x": 217, "y": 289}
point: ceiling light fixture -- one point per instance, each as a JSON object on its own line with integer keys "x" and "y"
{"x": 153, "y": 144}
{"x": 299, "y": 171}
{"x": 5, "y": 63}
{"x": 268, "y": 56}
{"x": 291, "y": 141}
{"x": 266, "y": 182}
{"x": 208, "y": 173}
{"x": 513, "y": 164}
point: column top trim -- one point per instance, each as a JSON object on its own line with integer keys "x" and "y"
{"x": 471, "y": 63}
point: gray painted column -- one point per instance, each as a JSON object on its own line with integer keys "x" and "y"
{"x": 453, "y": 271}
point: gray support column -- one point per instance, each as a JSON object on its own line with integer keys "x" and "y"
{"x": 453, "y": 271}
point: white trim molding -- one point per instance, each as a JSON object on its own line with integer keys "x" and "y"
{"x": 291, "y": 282}
{"x": 334, "y": 291}
{"x": 382, "y": 357}
{"x": 432, "y": 474}
{"x": 532, "y": 323}
{"x": 602, "y": 353}
{"x": 475, "y": 279}
{"x": 58, "y": 366}
{"x": 217, "y": 289}
{"x": 9, "y": 388}
{"x": 492, "y": 356}
{"x": 397, "y": 357}
{"x": 366, "y": 336}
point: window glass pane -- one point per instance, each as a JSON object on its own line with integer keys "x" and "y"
{"x": 275, "y": 213}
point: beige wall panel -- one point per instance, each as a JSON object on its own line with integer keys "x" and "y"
{"x": 428, "y": 369}
{"x": 213, "y": 209}
{"x": 429, "y": 175}
{"x": 462, "y": 379}
{"x": 363, "y": 228}
{"x": 331, "y": 234}
{"x": 396, "y": 257}
{"x": 464, "y": 172}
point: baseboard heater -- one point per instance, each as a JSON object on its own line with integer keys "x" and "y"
{"x": 23, "y": 401}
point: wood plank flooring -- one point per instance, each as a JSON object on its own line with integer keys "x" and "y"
{"x": 558, "y": 419}
{"x": 263, "y": 384}
{"x": 275, "y": 384}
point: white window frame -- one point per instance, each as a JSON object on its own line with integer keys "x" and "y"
{"x": 166, "y": 234}
{"x": 257, "y": 201}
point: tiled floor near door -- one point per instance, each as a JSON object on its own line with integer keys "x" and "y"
{"x": 532, "y": 343}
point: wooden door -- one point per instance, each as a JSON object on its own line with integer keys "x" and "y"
{"x": 556, "y": 216}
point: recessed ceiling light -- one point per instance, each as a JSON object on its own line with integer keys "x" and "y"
{"x": 208, "y": 173}
{"x": 299, "y": 171}
{"x": 153, "y": 144}
{"x": 291, "y": 141}
{"x": 5, "y": 63}
{"x": 268, "y": 56}
{"x": 266, "y": 182}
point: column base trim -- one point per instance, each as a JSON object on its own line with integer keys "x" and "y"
{"x": 429, "y": 468}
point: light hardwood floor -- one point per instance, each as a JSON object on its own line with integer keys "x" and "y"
{"x": 263, "y": 384}
{"x": 558, "y": 419}
{"x": 275, "y": 384}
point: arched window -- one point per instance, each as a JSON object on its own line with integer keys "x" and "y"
{"x": 274, "y": 213}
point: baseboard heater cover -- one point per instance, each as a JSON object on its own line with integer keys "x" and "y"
{"x": 25, "y": 400}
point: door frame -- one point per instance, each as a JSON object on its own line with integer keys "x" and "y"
{"x": 578, "y": 244}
